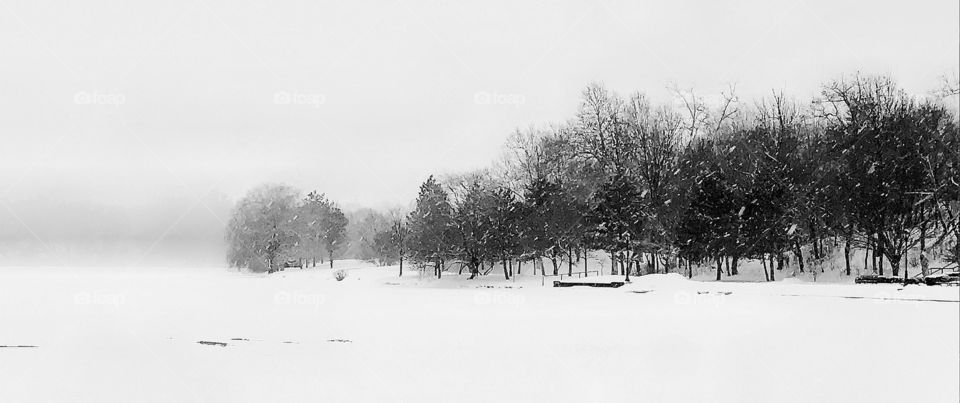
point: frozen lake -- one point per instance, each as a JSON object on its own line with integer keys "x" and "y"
{"x": 133, "y": 335}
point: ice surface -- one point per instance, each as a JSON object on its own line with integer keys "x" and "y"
{"x": 300, "y": 335}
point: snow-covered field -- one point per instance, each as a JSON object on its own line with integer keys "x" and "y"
{"x": 132, "y": 335}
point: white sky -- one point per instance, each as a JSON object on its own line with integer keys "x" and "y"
{"x": 399, "y": 80}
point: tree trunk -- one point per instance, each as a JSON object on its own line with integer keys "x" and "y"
{"x": 331, "y": 259}
{"x": 719, "y": 267}
{"x": 585, "y": 260}
{"x": 924, "y": 264}
{"x": 506, "y": 274}
{"x": 799, "y": 253}
{"x": 570, "y": 262}
{"x": 401, "y": 264}
{"x": 766, "y": 277}
{"x": 879, "y": 255}
{"x": 629, "y": 267}
{"x": 906, "y": 266}
{"x": 894, "y": 265}
{"x": 813, "y": 237}
{"x": 846, "y": 254}
{"x": 733, "y": 268}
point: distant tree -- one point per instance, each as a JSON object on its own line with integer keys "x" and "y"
{"x": 691, "y": 230}
{"x": 389, "y": 244}
{"x": 473, "y": 226}
{"x": 261, "y": 231}
{"x": 503, "y": 215}
{"x": 552, "y": 156}
{"x": 362, "y": 227}
{"x": 333, "y": 226}
{"x": 387, "y": 247}
{"x": 768, "y": 160}
{"x": 321, "y": 221}
{"x": 658, "y": 137}
{"x": 601, "y": 128}
{"x": 431, "y": 226}
{"x": 709, "y": 225}
{"x": 551, "y": 221}
{"x": 618, "y": 218}
{"x": 309, "y": 214}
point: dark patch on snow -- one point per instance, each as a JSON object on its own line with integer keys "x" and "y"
{"x": 212, "y": 343}
{"x": 340, "y": 341}
{"x": 239, "y": 339}
{"x": 17, "y": 346}
{"x": 641, "y": 291}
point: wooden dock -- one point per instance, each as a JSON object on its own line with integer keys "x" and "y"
{"x": 587, "y": 283}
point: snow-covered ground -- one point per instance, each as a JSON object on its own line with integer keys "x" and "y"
{"x": 132, "y": 335}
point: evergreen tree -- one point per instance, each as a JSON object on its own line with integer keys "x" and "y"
{"x": 431, "y": 226}
{"x": 618, "y": 218}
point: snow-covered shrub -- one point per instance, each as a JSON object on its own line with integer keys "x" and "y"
{"x": 340, "y": 274}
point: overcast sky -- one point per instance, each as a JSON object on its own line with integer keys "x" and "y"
{"x": 127, "y": 103}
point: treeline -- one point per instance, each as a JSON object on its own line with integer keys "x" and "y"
{"x": 864, "y": 165}
{"x": 272, "y": 227}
